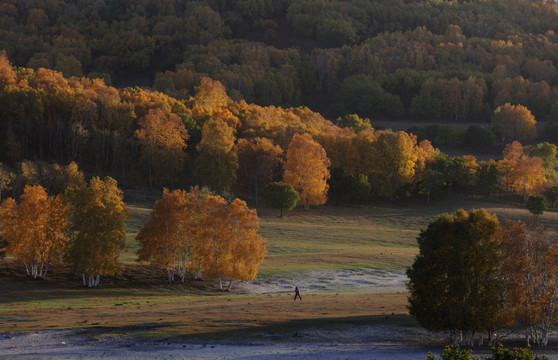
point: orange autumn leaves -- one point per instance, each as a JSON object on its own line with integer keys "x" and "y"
{"x": 35, "y": 229}
{"x": 190, "y": 231}
{"x": 307, "y": 170}
{"x": 85, "y": 228}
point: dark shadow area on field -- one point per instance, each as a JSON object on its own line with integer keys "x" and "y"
{"x": 61, "y": 282}
{"x": 294, "y": 330}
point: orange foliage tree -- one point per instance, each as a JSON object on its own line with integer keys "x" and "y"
{"x": 519, "y": 173}
{"x": 306, "y": 169}
{"x": 394, "y": 159}
{"x": 217, "y": 161}
{"x": 166, "y": 240}
{"x": 514, "y": 121}
{"x": 202, "y": 234}
{"x": 229, "y": 245}
{"x": 530, "y": 277}
{"x": 35, "y": 229}
{"x": 163, "y": 141}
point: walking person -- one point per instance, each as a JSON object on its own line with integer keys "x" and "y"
{"x": 297, "y": 293}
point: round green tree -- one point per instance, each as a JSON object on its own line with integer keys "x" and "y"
{"x": 281, "y": 196}
{"x": 454, "y": 282}
{"x": 536, "y": 205}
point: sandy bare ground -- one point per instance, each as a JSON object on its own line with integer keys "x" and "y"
{"x": 73, "y": 344}
{"x": 361, "y": 280}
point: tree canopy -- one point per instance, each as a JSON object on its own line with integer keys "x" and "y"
{"x": 454, "y": 282}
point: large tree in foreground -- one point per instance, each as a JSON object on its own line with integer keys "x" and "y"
{"x": 96, "y": 232}
{"x": 454, "y": 282}
{"x": 228, "y": 245}
{"x": 166, "y": 239}
{"x": 306, "y": 169}
{"x": 530, "y": 277}
{"x": 34, "y": 229}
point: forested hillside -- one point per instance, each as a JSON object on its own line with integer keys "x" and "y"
{"x": 225, "y": 84}
{"x": 431, "y": 60}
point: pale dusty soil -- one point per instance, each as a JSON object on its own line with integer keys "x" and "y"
{"x": 75, "y": 344}
{"x": 72, "y": 344}
{"x": 361, "y": 280}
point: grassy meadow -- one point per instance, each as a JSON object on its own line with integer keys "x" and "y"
{"x": 379, "y": 235}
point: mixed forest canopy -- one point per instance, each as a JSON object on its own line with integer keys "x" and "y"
{"x": 432, "y": 60}
{"x": 143, "y": 137}
{"x": 225, "y": 80}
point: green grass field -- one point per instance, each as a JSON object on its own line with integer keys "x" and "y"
{"x": 381, "y": 235}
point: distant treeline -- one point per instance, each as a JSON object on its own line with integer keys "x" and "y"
{"x": 433, "y": 60}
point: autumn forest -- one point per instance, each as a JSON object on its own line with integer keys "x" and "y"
{"x": 223, "y": 107}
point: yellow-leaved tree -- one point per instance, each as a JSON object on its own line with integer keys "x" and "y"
{"x": 514, "y": 121}
{"x": 228, "y": 245}
{"x": 204, "y": 235}
{"x": 530, "y": 279}
{"x": 35, "y": 229}
{"x": 166, "y": 240}
{"x": 163, "y": 140}
{"x": 247, "y": 247}
{"x": 96, "y": 231}
{"x": 307, "y": 170}
{"x": 394, "y": 158}
{"x": 520, "y": 173}
{"x": 217, "y": 162}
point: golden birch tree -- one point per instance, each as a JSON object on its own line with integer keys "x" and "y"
{"x": 307, "y": 170}
{"x": 164, "y": 239}
{"x": 394, "y": 160}
{"x": 514, "y": 121}
{"x": 163, "y": 142}
{"x": 520, "y": 173}
{"x": 217, "y": 161}
{"x": 530, "y": 278}
{"x": 96, "y": 231}
{"x": 35, "y": 229}
{"x": 247, "y": 246}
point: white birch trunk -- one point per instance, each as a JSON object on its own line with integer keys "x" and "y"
{"x": 83, "y": 277}
{"x": 97, "y": 279}
{"x": 230, "y": 285}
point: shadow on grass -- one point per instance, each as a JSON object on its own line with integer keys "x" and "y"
{"x": 62, "y": 282}
{"x": 241, "y": 331}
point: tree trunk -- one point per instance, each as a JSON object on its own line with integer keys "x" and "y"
{"x": 230, "y": 285}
